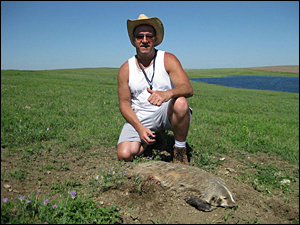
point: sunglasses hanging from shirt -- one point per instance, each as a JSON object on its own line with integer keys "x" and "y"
{"x": 150, "y": 82}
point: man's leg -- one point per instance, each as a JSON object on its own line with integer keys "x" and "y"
{"x": 179, "y": 115}
{"x": 129, "y": 143}
{"x": 127, "y": 150}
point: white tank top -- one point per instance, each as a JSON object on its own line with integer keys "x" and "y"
{"x": 138, "y": 85}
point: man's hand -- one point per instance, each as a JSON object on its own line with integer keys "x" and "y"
{"x": 157, "y": 97}
{"x": 147, "y": 136}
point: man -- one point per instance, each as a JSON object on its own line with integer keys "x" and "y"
{"x": 152, "y": 89}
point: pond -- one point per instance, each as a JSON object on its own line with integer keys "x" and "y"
{"x": 285, "y": 84}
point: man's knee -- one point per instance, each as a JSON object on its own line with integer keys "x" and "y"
{"x": 127, "y": 150}
{"x": 181, "y": 106}
{"x": 124, "y": 154}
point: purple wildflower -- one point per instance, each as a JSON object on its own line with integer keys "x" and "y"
{"x": 243, "y": 153}
{"x": 54, "y": 206}
{"x": 23, "y": 197}
{"x": 28, "y": 201}
{"x": 38, "y": 191}
{"x": 4, "y": 200}
{"x": 73, "y": 194}
{"x": 46, "y": 201}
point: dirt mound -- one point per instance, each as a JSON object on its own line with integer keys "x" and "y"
{"x": 143, "y": 202}
{"x": 149, "y": 202}
{"x": 289, "y": 69}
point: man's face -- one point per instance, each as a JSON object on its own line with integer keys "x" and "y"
{"x": 144, "y": 38}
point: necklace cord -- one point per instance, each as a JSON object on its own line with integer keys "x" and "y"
{"x": 149, "y": 81}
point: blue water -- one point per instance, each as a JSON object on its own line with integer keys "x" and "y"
{"x": 285, "y": 84}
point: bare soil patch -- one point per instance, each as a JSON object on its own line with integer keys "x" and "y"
{"x": 147, "y": 202}
{"x": 288, "y": 68}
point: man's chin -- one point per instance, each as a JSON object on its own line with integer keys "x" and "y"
{"x": 145, "y": 50}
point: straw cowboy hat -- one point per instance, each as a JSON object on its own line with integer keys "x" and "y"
{"x": 145, "y": 20}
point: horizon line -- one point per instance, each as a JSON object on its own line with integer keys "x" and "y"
{"x": 104, "y": 67}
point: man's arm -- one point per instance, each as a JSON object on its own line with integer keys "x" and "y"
{"x": 125, "y": 107}
{"x": 183, "y": 87}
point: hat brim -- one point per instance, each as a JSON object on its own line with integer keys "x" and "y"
{"x": 154, "y": 22}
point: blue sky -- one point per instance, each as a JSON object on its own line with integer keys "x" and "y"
{"x": 90, "y": 34}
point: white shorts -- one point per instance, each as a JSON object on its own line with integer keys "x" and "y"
{"x": 156, "y": 122}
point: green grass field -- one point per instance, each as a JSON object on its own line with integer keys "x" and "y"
{"x": 78, "y": 108}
